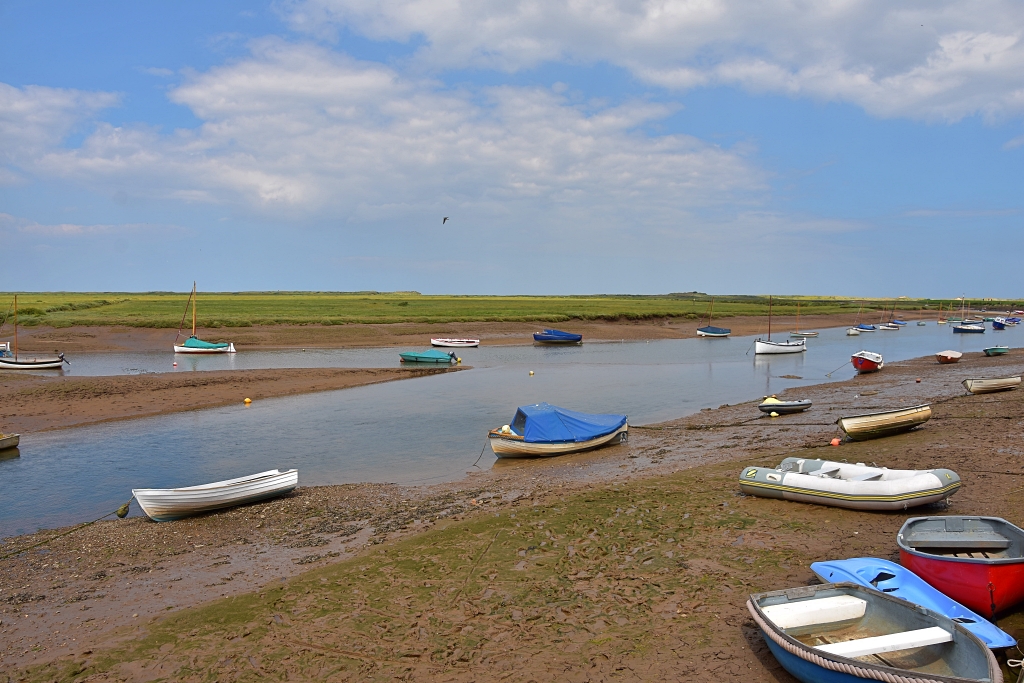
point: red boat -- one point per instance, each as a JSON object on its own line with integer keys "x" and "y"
{"x": 977, "y": 561}
{"x": 866, "y": 361}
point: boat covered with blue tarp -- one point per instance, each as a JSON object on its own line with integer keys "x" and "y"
{"x": 544, "y": 429}
{"x": 557, "y": 337}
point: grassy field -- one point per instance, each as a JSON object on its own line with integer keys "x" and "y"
{"x": 245, "y": 309}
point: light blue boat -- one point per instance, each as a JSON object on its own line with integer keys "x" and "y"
{"x": 899, "y": 582}
{"x": 428, "y": 356}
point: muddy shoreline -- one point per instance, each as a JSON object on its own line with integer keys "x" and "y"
{"x": 88, "y": 339}
{"x": 115, "y": 580}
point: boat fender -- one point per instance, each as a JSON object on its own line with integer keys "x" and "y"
{"x": 505, "y": 429}
{"x": 835, "y": 441}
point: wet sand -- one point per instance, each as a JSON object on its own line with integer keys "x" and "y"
{"x": 85, "y": 339}
{"x": 670, "y": 607}
{"x": 33, "y": 403}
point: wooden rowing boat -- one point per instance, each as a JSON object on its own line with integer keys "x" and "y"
{"x": 988, "y": 385}
{"x": 162, "y": 505}
{"x": 856, "y": 487}
{"x": 884, "y": 423}
{"x": 977, "y": 561}
{"x": 9, "y": 441}
{"x": 948, "y": 356}
{"x": 843, "y": 633}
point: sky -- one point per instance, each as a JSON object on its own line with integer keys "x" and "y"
{"x": 844, "y": 147}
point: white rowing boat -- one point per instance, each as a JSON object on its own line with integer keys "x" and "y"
{"x": 162, "y": 505}
{"x": 884, "y": 423}
{"x": 9, "y": 441}
{"x": 762, "y": 347}
{"x": 857, "y": 487}
{"x": 988, "y": 385}
{"x": 455, "y": 343}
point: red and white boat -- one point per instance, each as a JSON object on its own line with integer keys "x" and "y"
{"x": 949, "y": 356}
{"x": 867, "y": 361}
{"x": 977, "y": 561}
{"x": 455, "y": 343}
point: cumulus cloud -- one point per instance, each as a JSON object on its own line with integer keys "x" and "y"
{"x": 941, "y": 60}
{"x": 298, "y": 128}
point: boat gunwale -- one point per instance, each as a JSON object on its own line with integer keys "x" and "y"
{"x": 987, "y": 561}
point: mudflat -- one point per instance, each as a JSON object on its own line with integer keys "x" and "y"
{"x": 631, "y": 562}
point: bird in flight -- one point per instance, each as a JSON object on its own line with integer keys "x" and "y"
{"x": 444, "y": 220}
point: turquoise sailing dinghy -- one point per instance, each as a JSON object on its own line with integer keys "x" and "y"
{"x": 428, "y": 356}
{"x": 194, "y": 344}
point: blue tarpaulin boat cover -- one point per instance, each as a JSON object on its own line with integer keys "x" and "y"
{"x": 197, "y": 343}
{"x": 544, "y": 423}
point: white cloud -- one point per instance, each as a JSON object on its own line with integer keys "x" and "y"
{"x": 938, "y": 60}
{"x": 299, "y": 130}
{"x": 1013, "y": 143}
{"x": 12, "y": 225}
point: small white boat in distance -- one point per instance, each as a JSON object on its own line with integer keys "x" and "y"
{"x": 852, "y": 332}
{"x": 163, "y": 505}
{"x": 455, "y": 343}
{"x": 987, "y": 386}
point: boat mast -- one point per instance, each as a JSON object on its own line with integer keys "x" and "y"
{"x": 769, "y": 317}
{"x": 193, "y": 308}
{"x": 15, "y": 328}
{"x": 798, "y": 315}
{"x": 711, "y": 313}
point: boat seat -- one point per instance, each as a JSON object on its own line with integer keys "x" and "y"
{"x": 975, "y": 541}
{"x": 867, "y": 476}
{"x": 889, "y": 643}
{"x": 816, "y": 611}
{"x": 827, "y": 472}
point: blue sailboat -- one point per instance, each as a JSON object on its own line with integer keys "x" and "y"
{"x": 710, "y": 330}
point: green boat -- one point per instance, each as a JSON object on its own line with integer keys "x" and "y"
{"x": 997, "y": 350}
{"x": 428, "y": 356}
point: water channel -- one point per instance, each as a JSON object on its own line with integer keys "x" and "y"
{"x": 417, "y": 431}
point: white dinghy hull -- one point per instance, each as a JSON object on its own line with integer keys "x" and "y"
{"x": 510, "y": 446}
{"x": 162, "y": 505}
{"x": 455, "y": 343}
{"x": 987, "y": 386}
{"x": 770, "y": 347}
{"x": 230, "y": 348}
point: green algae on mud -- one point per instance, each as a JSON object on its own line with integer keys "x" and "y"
{"x": 611, "y": 574}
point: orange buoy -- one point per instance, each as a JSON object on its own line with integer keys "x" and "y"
{"x": 835, "y": 441}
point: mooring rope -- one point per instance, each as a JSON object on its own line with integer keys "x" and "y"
{"x": 850, "y": 669}
{"x": 121, "y": 512}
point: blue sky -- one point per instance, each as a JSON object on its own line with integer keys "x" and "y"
{"x": 854, "y": 148}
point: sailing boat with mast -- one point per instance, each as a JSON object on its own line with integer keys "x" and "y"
{"x": 710, "y": 330}
{"x": 767, "y": 346}
{"x": 797, "y": 332}
{"x": 194, "y": 344}
{"x": 15, "y": 361}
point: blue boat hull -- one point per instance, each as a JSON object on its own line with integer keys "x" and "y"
{"x": 803, "y": 670}
{"x": 557, "y": 337}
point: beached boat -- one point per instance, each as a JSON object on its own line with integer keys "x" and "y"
{"x": 884, "y": 423}
{"x": 710, "y": 330}
{"x": 557, "y": 337}
{"x": 844, "y": 633}
{"x": 767, "y": 346}
{"x": 773, "y": 404}
{"x": 10, "y": 359}
{"x": 987, "y": 385}
{"x": 428, "y": 356}
{"x": 867, "y": 361}
{"x": 194, "y": 344}
{"x": 857, "y": 487}
{"x": 9, "y": 441}
{"x": 968, "y": 329}
{"x": 852, "y": 332}
{"x": 948, "y": 356}
{"x": 977, "y": 561}
{"x": 997, "y": 350}
{"x": 162, "y": 505}
{"x": 899, "y": 582}
{"x": 455, "y": 343}
{"x": 545, "y": 430}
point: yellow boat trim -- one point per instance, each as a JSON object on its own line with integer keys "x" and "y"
{"x": 844, "y": 496}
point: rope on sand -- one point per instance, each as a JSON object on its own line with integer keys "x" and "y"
{"x": 121, "y": 512}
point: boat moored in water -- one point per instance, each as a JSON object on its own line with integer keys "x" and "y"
{"x": 977, "y": 561}
{"x": 884, "y": 423}
{"x": 857, "y": 487}
{"x": 194, "y": 344}
{"x": 162, "y": 505}
{"x": 948, "y": 356}
{"x": 557, "y": 337}
{"x": 767, "y": 346}
{"x": 867, "y": 361}
{"x": 899, "y": 582}
{"x": 542, "y": 429}
{"x": 982, "y": 385}
{"x": 964, "y": 328}
{"x": 710, "y": 330}
{"x": 852, "y": 332}
{"x": 844, "y": 632}
{"x": 428, "y": 356}
{"x": 10, "y": 359}
{"x": 455, "y": 343}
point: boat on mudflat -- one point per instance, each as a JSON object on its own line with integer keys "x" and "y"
{"x": 557, "y": 337}
{"x": 980, "y": 385}
{"x": 428, "y": 356}
{"x": 542, "y": 429}
{"x": 162, "y": 505}
{"x": 867, "y": 361}
{"x": 844, "y": 633}
{"x": 455, "y": 343}
{"x": 857, "y": 487}
{"x": 12, "y": 360}
{"x": 710, "y": 330}
{"x": 884, "y": 423}
{"x": 948, "y": 356}
{"x": 9, "y": 441}
{"x": 899, "y": 582}
{"x": 997, "y": 350}
{"x": 194, "y": 344}
{"x": 773, "y": 404}
{"x": 977, "y": 561}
